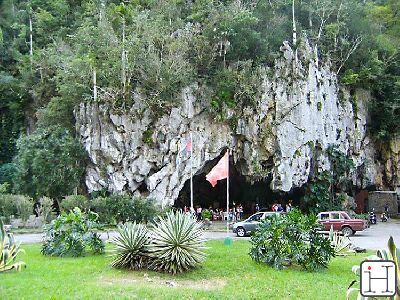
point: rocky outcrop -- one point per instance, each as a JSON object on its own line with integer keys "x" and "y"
{"x": 301, "y": 111}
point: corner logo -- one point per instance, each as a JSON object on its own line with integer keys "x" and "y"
{"x": 378, "y": 278}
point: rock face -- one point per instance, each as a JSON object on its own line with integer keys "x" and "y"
{"x": 301, "y": 111}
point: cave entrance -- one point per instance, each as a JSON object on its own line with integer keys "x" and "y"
{"x": 241, "y": 191}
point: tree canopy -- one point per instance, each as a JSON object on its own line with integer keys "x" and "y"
{"x": 56, "y": 54}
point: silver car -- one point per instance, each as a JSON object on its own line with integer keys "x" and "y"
{"x": 249, "y": 225}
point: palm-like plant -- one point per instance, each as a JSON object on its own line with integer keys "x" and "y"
{"x": 9, "y": 252}
{"x": 177, "y": 243}
{"x": 129, "y": 251}
{"x": 341, "y": 244}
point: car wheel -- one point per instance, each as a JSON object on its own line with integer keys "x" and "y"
{"x": 347, "y": 231}
{"x": 240, "y": 231}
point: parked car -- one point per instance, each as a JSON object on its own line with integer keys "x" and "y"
{"x": 247, "y": 226}
{"x": 341, "y": 221}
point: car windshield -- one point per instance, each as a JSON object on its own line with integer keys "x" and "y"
{"x": 255, "y": 217}
{"x": 345, "y": 216}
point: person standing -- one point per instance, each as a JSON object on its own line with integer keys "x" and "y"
{"x": 289, "y": 207}
{"x": 240, "y": 212}
{"x": 257, "y": 208}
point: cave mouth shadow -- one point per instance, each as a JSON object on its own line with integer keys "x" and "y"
{"x": 241, "y": 191}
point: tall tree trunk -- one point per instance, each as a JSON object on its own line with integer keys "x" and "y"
{"x": 94, "y": 84}
{"x": 30, "y": 40}
{"x": 123, "y": 59}
{"x": 294, "y": 25}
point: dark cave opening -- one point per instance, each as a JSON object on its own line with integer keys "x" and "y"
{"x": 241, "y": 191}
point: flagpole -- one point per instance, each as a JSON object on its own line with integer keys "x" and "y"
{"x": 227, "y": 198}
{"x": 191, "y": 170}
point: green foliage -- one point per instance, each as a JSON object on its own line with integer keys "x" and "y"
{"x": 15, "y": 205}
{"x": 72, "y": 201}
{"x": 318, "y": 194}
{"x": 7, "y": 172}
{"x": 49, "y": 162}
{"x": 71, "y": 233}
{"x": 234, "y": 87}
{"x": 9, "y": 251}
{"x": 361, "y": 216}
{"x": 283, "y": 240}
{"x": 148, "y": 137}
{"x": 177, "y": 243}
{"x": 153, "y": 50}
{"x": 130, "y": 246}
{"x": 206, "y": 214}
{"x": 4, "y": 188}
{"x": 118, "y": 208}
{"x": 45, "y": 208}
{"x": 323, "y": 191}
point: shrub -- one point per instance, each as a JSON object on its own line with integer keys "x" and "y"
{"x": 9, "y": 252}
{"x": 129, "y": 252}
{"x": 70, "y": 233}
{"x": 123, "y": 208}
{"x": 7, "y": 172}
{"x": 15, "y": 205}
{"x": 282, "y": 240}
{"x": 206, "y": 214}
{"x": 72, "y": 201}
{"x": 45, "y": 208}
{"x": 4, "y": 188}
{"x": 113, "y": 209}
{"x": 177, "y": 243}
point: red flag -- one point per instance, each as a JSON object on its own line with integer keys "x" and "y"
{"x": 220, "y": 171}
{"x": 189, "y": 145}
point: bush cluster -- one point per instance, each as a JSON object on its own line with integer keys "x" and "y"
{"x": 71, "y": 233}
{"x": 283, "y": 240}
{"x": 115, "y": 208}
{"x": 15, "y": 205}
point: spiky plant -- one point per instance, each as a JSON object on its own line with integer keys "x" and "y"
{"x": 129, "y": 251}
{"x": 9, "y": 251}
{"x": 177, "y": 243}
{"x": 341, "y": 244}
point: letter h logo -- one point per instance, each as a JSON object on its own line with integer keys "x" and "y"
{"x": 378, "y": 278}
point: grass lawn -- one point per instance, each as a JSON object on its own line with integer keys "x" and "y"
{"x": 228, "y": 273}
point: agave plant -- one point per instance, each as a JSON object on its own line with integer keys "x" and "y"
{"x": 341, "y": 244}
{"x": 177, "y": 243}
{"x": 391, "y": 253}
{"x": 129, "y": 252}
{"x": 9, "y": 251}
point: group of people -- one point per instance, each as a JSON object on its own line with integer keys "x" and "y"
{"x": 234, "y": 214}
{"x": 278, "y": 207}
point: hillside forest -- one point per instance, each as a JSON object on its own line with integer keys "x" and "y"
{"x": 55, "y": 54}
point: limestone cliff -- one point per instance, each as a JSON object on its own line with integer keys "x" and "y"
{"x": 301, "y": 111}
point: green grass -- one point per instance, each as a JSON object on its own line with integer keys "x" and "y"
{"x": 228, "y": 273}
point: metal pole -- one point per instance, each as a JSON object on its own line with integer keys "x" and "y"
{"x": 227, "y": 198}
{"x": 191, "y": 170}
